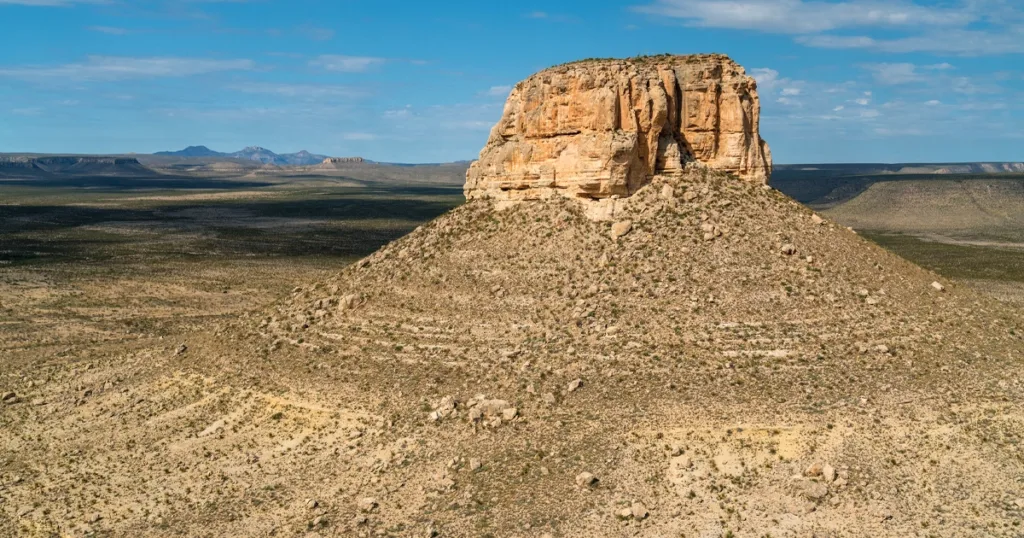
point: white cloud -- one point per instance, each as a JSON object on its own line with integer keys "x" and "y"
{"x": 863, "y": 101}
{"x": 839, "y": 108}
{"x": 934, "y": 102}
{"x": 51, "y": 3}
{"x": 470, "y": 125}
{"x": 308, "y": 91}
{"x": 359, "y": 136}
{"x": 951, "y": 41}
{"x": 894, "y": 73}
{"x": 765, "y": 77}
{"x": 498, "y": 91}
{"x": 807, "y": 17}
{"x": 769, "y": 83}
{"x": 111, "y": 30}
{"x": 551, "y": 17}
{"x": 936, "y": 76}
{"x": 964, "y": 27}
{"x": 346, "y": 64}
{"x": 398, "y": 113}
{"x": 121, "y": 67}
{"x": 904, "y": 131}
{"x": 967, "y": 86}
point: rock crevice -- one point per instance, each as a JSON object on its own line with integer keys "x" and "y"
{"x": 602, "y": 128}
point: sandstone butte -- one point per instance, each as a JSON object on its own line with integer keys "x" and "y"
{"x": 599, "y": 129}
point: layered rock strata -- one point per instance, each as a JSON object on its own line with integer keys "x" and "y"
{"x": 600, "y": 128}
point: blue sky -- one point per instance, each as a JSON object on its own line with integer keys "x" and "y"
{"x": 402, "y": 81}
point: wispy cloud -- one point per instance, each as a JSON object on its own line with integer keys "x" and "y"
{"x": 498, "y": 91}
{"x": 964, "y": 27}
{"x": 935, "y": 76}
{"x": 122, "y": 67}
{"x": 359, "y": 137}
{"x": 894, "y": 73}
{"x": 766, "y": 77}
{"x": 316, "y": 33}
{"x": 346, "y": 64}
{"x": 552, "y": 17}
{"x": 398, "y": 113}
{"x": 111, "y": 30}
{"x": 51, "y": 3}
{"x": 307, "y": 91}
{"x": 801, "y": 17}
{"x": 954, "y": 41}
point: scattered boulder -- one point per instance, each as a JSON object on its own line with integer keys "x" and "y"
{"x": 621, "y": 228}
{"x": 938, "y": 287}
{"x": 491, "y": 411}
{"x": 586, "y": 480}
{"x": 574, "y": 385}
{"x": 811, "y": 490}
{"x": 367, "y": 504}
{"x": 445, "y": 408}
{"x": 788, "y": 249}
{"x": 349, "y": 302}
{"x": 828, "y": 473}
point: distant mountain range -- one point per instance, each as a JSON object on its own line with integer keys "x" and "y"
{"x": 251, "y": 153}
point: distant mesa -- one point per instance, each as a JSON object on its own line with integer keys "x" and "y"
{"x": 73, "y": 165}
{"x": 342, "y": 160}
{"x": 603, "y": 128}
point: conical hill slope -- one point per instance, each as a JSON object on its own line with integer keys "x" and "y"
{"x": 704, "y": 355}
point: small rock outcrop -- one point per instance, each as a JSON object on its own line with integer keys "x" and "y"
{"x": 342, "y": 160}
{"x": 600, "y": 128}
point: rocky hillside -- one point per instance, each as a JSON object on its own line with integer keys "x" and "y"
{"x": 718, "y": 361}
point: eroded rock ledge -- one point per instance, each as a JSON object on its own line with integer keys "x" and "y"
{"x": 602, "y": 128}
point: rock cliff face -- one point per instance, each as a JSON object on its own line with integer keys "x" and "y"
{"x": 599, "y": 128}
